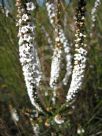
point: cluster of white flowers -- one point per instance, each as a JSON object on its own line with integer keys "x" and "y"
{"x": 79, "y": 56}
{"x": 28, "y": 52}
{"x": 57, "y": 54}
{"x": 93, "y": 12}
{"x": 51, "y": 12}
{"x": 30, "y": 6}
{"x": 56, "y": 63}
{"x": 56, "y": 67}
{"x": 57, "y": 57}
{"x": 78, "y": 70}
{"x": 68, "y": 56}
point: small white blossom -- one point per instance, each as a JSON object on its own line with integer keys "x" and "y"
{"x": 19, "y": 22}
{"x": 57, "y": 39}
{"x": 30, "y": 6}
{"x": 24, "y": 29}
{"x": 20, "y": 40}
{"x": 27, "y": 37}
{"x": 25, "y": 17}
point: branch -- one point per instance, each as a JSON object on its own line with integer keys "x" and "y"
{"x": 80, "y": 52}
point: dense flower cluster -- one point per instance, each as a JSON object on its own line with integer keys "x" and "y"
{"x": 51, "y": 12}
{"x": 56, "y": 66}
{"x": 80, "y": 52}
{"x": 68, "y": 56}
{"x": 57, "y": 57}
{"x": 28, "y": 52}
{"x": 93, "y": 12}
{"x": 56, "y": 63}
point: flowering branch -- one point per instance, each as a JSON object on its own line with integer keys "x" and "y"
{"x": 62, "y": 38}
{"x": 80, "y": 51}
{"x": 93, "y": 13}
{"x": 54, "y": 15}
{"x": 28, "y": 52}
{"x": 68, "y": 56}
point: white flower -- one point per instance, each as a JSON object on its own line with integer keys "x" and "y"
{"x": 27, "y": 37}
{"x": 81, "y": 34}
{"x": 52, "y": 21}
{"x": 47, "y": 3}
{"x": 21, "y": 40}
{"x": 30, "y": 6}
{"x": 19, "y": 22}
{"x": 77, "y": 40}
{"x": 57, "y": 39}
{"x": 76, "y": 45}
{"x": 31, "y": 27}
{"x": 24, "y": 29}
{"x": 25, "y": 17}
